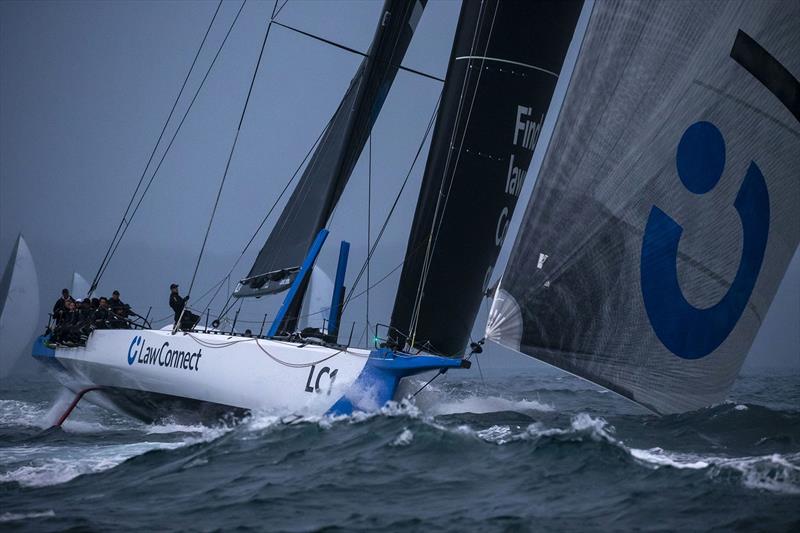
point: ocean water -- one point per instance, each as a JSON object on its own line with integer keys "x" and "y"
{"x": 523, "y": 452}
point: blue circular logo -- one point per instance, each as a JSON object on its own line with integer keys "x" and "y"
{"x": 137, "y": 340}
{"x": 687, "y": 331}
{"x": 700, "y": 158}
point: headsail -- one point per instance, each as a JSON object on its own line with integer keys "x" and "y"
{"x": 80, "y": 287}
{"x": 317, "y": 304}
{"x": 19, "y": 305}
{"x": 329, "y": 169}
{"x": 666, "y": 210}
{"x": 503, "y": 70}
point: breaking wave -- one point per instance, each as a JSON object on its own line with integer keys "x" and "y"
{"x": 16, "y": 517}
{"x": 510, "y": 448}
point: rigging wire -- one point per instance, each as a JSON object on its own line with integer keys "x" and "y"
{"x": 426, "y": 260}
{"x": 272, "y": 208}
{"x": 439, "y": 373}
{"x": 394, "y": 206}
{"x": 226, "y": 306}
{"x": 230, "y": 157}
{"x": 434, "y": 236}
{"x": 278, "y": 12}
{"x": 354, "y": 51}
{"x": 369, "y": 222}
{"x": 106, "y": 257}
{"x": 172, "y": 140}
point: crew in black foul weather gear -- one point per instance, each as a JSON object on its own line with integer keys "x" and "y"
{"x": 115, "y": 304}
{"x": 177, "y": 303}
{"x": 60, "y": 307}
{"x": 103, "y": 315}
{"x": 120, "y": 311}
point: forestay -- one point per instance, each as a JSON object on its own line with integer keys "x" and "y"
{"x": 667, "y": 207}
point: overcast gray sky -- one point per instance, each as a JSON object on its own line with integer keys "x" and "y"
{"x": 86, "y": 86}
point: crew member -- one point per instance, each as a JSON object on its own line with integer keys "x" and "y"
{"x": 85, "y": 319}
{"x": 86, "y": 310}
{"x": 115, "y": 303}
{"x": 60, "y": 306}
{"x": 176, "y": 301}
{"x": 63, "y": 333}
{"x": 102, "y": 315}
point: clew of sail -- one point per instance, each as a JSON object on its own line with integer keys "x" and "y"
{"x": 316, "y": 194}
{"x": 19, "y": 305}
{"x": 665, "y": 212}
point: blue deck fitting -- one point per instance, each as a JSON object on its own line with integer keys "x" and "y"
{"x": 338, "y": 291}
{"x": 308, "y": 262}
{"x": 43, "y": 353}
{"x": 41, "y": 348}
{"x": 378, "y": 382}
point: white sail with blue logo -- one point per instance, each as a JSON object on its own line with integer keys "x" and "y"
{"x": 667, "y": 207}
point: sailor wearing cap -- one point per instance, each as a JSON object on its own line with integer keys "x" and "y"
{"x": 176, "y": 302}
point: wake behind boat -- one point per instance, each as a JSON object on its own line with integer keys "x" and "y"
{"x": 673, "y": 119}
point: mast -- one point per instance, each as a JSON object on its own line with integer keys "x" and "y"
{"x": 316, "y": 194}
{"x": 503, "y": 70}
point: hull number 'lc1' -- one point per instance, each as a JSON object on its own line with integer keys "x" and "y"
{"x": 322, "y": 372}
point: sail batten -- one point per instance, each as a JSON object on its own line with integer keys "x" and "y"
{"x": 314, "y": 198}
{"x": 665, "y": 211}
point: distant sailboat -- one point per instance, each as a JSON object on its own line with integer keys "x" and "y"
{"x": 19, "y": 305}
{"x": 680, "y": 118}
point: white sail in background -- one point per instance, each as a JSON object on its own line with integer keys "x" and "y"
{"x": 317, "y": 304}
{"x": 19, "y": 305}
{"x": 80, "y": 287}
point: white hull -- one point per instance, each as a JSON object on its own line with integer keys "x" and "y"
{"x": 240, "y": 372}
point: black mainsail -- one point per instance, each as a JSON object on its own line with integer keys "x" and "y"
{"x": 503, "y": 70}
{"x": 666, "y": 210}
{"x": 316, "y": 194}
